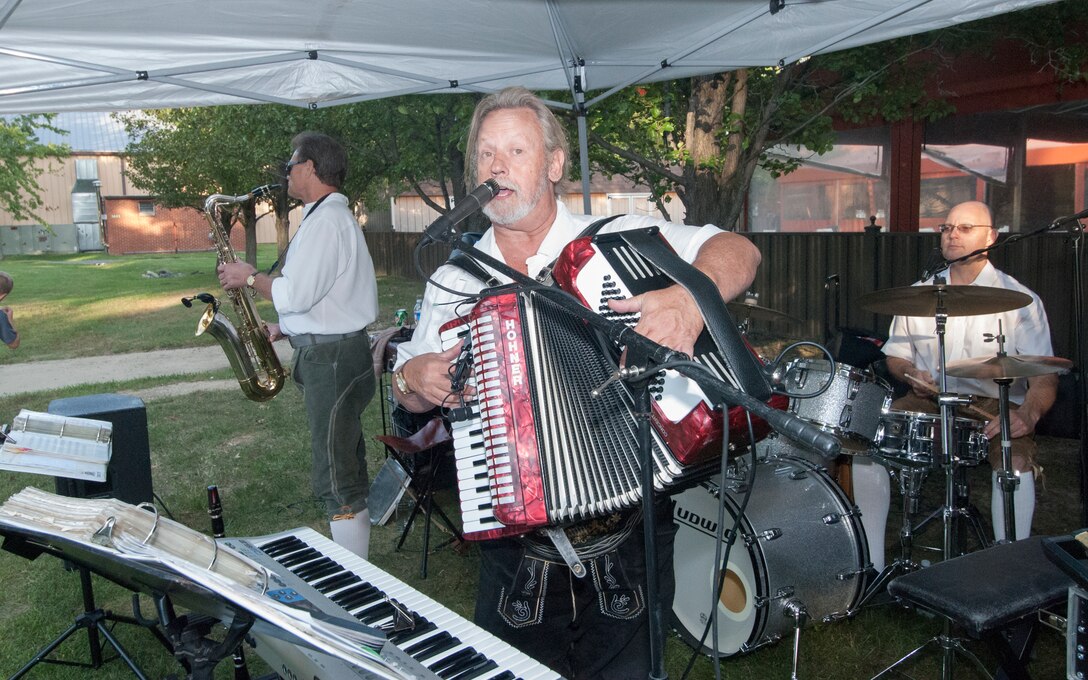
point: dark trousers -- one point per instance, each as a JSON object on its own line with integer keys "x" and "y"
{"x": 593, "y": 627}
{"x": 337, "y": 383}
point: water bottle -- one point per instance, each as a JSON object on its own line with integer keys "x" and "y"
{"x": 418, "y": 309}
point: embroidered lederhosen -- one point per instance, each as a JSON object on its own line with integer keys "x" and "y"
{"x": 521, "y": 602}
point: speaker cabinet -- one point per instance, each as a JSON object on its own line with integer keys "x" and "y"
{"x": 128, "y": 475}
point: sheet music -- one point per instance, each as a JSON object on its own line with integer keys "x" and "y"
{"x": 48, "y": 444}
{"x": 138, "y": 534}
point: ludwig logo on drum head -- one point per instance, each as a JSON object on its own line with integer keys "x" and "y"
{"x": 695, "y": 520}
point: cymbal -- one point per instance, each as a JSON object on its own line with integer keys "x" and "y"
{"x": 958, "y": 300}
{"x": 754, "y": 311}
{"x": 1012, "y": 366}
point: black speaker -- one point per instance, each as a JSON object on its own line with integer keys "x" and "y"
{"x": 128, "y": 476}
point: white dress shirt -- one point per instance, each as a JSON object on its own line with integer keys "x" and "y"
{"x": 327, "y": 284}
{"x": 1026, "y": 331}
{"x": 440, "y": 306}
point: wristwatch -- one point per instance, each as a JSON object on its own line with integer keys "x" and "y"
{"x": 402, "y": 383}
{"x": 251, "y": 279}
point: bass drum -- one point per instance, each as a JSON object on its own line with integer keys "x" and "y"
{"x": 800, "y": 539}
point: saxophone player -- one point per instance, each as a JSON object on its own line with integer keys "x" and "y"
{"x": 325, "y": 296}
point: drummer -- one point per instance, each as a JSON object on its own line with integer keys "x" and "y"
{"x": 913, "y": 358}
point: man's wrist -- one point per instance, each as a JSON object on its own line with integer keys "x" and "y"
{"x": 401, "y": 381}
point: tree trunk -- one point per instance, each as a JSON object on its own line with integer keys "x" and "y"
{"x": 703, "y": 172}
{"x": 249, "y": 220}
{"x": 282, "y": 206}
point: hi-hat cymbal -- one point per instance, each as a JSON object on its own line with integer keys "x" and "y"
{"x": 1012, "y": 366}
{"x": 958, "y": 300}
{"x": 754, "y": 311}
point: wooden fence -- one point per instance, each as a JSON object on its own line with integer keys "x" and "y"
{"x": 793, "y": 278}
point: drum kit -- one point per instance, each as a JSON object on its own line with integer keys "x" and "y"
{"x": 801, "y": 551}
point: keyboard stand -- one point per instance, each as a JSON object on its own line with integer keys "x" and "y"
{"x": 93, "y": 620}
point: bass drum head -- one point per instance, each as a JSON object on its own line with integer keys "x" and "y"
{"x": 799, "y": 535}
{"x": 696, "y": 514}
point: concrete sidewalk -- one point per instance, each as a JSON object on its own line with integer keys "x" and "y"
{"x": 39, "y": 376}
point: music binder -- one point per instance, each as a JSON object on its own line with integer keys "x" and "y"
{"x": 144, "y": 552}
{"x": 58, "y": 446}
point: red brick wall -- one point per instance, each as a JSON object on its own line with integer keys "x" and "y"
{"x": 169, "y": 230}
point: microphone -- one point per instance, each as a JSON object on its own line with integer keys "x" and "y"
{"x": 263, "y": 190}
{"x": 1083, "y": 214}
{"x": 803, "y": 432}
{"x": 442, "y": 229}
{"x": 936, "y": 264}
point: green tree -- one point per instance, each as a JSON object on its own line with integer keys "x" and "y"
{"x": 21, "y": 151}
{"x": 184, "y": 155}
{"x": 704, "y": 137}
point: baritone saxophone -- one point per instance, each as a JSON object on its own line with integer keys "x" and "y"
{"x": 250, "y": 352}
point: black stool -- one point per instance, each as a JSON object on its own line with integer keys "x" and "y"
{"x": 985, "y": 594}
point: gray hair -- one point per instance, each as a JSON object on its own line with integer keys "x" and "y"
{"x": 555, "y": 135}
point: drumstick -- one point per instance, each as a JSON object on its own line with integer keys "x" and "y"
{"x": 933, "y": 390}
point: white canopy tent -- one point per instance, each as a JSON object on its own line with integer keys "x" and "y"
{"x": 58, "y": 55}
{"x": 101, "y": 55}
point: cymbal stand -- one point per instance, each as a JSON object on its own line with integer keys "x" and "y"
{"x": 910, "y": 487}
{"x": 1007, "y": 478}
{"x": 948, "y": 644}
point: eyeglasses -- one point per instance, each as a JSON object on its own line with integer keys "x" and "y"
{"x": 290, "y": 164}
{"x": 961, "y": 229}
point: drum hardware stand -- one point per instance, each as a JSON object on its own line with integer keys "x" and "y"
{"x": 910, "y": 486}
{"x": 797, "y": 610}
{"x": 961, "y": 509}
{"x": 948, "y": 644}
{"x": 1007, "y": 478}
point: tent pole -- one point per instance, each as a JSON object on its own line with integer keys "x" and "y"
{"x": 583, "y": 143}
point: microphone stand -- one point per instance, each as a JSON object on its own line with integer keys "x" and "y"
{"x": 653, "y": 355}
{"x": 1076, "y": 231}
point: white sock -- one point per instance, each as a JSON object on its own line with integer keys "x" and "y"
{"x": 353, "y": 533}
{"x": 1023, "y": 501}
{"x": 872, "y": 495}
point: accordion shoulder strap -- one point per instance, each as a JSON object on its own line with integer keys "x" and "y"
{"x": 545, "y": 275}
{"x": 467, "y": 264}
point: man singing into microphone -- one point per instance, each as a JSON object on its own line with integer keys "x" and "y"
{"x": 594, "y": 627}
{"x": 914, "y": 359}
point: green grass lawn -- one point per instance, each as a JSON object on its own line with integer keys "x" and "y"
{"x": 258, "y": 456}
{"x": 93, "y": 304}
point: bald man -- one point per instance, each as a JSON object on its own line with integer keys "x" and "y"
{"x": 913, "y": 358}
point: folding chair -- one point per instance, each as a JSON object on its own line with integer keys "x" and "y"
{"x": 421, "y": 454}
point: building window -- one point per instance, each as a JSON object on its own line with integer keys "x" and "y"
{"x": 86, "y": 168}
{"x": 1028, "y": 165}
{"x": 147, "y": 207}
{"x": 840, "y": 190}
{"x": 630, "y": 204}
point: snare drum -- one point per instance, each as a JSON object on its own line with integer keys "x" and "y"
{"x": 913, "y": 440}
{"x": 850, "y": 407}
{"x": 800, "y": 538}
